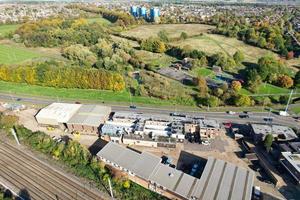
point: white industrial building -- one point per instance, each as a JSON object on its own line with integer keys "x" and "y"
{"x": 57, "y": 114}
{"x": 75, "y": 117}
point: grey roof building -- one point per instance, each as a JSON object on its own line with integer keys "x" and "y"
{"x": 291, "y": 162}
{"x": 282, "y": 133}
{"x": 219, "y": 180}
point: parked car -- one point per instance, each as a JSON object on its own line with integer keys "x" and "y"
{"x": 206, "y": 143}
{"x": 244, "y": 116}
{"x": 284, "y": 113}
{"x": 268, "y": 119}
{"x": 132, "y": 107}
{"x": 194, "y": 169}
{"x": 231, "y": 112}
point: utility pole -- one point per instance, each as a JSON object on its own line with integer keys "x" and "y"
{"x": 287, "y": 105}
{"x": 15, "y": 135}
{"x": 110, "y": 188}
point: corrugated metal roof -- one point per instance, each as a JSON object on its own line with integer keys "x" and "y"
{"x": 220, "y": 180}
{"x": 90, "y": 115}
{"x": 58, "y": 112}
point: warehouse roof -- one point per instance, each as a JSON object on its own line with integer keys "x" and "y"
{"x": 219, "y": 180}
{"x": 90, "y": 115}
{"x": 223, "y": 180}
{"x": 57, "y": 112}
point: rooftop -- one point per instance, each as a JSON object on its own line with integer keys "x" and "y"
{"x": 219, "y": 178}
{"x": 293, "y": 159}
{"x": 264, "y": 129}
{"x": 60, "y": 112}
{"x": 91, "y": 115}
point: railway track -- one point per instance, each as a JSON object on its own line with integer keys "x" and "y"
{"x": 23, "y": 171}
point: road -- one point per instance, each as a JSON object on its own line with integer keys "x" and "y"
{"x": 255, "y": 117}
{"x": 21, "y": 171}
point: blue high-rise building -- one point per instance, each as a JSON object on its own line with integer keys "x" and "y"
{"x": 142, "y": 12}
{"x": 154, "y": 13}
{"x": 133, "y": 11}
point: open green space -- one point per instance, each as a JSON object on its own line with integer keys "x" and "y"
{"x": 173, "y": 30}
{"x": 203, "y": 71}
{"x": 99, "y": 20}
{"x": 211, "y": 43}
{"x": 12, "y": 54}
{"x": 271, "y": 89}
{"x": 295, "y": 109}
{"x": 5, "y": 29}
{"x": 155, "y": 59}
{"x": 80, "y": 94}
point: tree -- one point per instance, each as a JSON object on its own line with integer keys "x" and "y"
{"x": 253, "y": 79}
{"x": 236, "y": 86}
{"x": 268, "y": 142}
{"x": 285, "y": 81}
{"x": 183, "y": 35}
{"x": 80, "y": 54}
{"x": 262, "y": 42}
{"x": 242, "y": 100}
{"x": 126, "y": 184}
{"x": 202, "y": 86}
{"x": 238, "y": 57}
{"x": 213, "y": 101}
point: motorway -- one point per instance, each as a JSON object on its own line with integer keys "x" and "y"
{"x": 254, "y": 117}
{"x": 19, "y": 171}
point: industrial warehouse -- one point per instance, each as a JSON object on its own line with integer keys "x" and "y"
{"x": 127, "y": 127}
{"x": 74, "y": 117}
{"x": 219, "y": 179}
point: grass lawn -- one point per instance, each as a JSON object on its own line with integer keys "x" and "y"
{"x": 156, "y": 59}
{"x": 79, "y": 94}
{"x": 203, "y": 71}
{"x": 211, "y": 43}
{"x": 99, "y": 20}
{"x": 5, "y": 29}
{"x": 272, "y": 89}
{"x": 295, "y": 109}
{"x": 173, "y": 30}
{"x": 12, "y": 54}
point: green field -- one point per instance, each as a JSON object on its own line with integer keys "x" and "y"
{"x": 80, "y": 94}
{"x": 203, "y": 71}
{"x": 211, "y": 43}
{"x": 5, "y": 29}
{"x": 156, "y": 59}
{"x": 173, "y": 30}
{"x": 12, "y": 55}
{"x": 99, "y": 20}
{"x": 272, "y": 89}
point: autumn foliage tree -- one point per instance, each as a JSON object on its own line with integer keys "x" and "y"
{"x": 236, "y": 86}
{"x": 202, "y": 86}
{"x": 63, "y": 77}
{"x": 285, "y": 81}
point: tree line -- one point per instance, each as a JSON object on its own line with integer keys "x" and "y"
{"x": 258, "y": 32}
{"x": 56, "y": 32}
{"x": 118, "y": 17}
{"x": 53, "y": 75}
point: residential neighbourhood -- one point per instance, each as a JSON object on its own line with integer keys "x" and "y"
{"x": 150, "y": 100}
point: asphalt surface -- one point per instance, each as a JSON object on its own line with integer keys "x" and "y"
{"x": 254, "y": 117}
